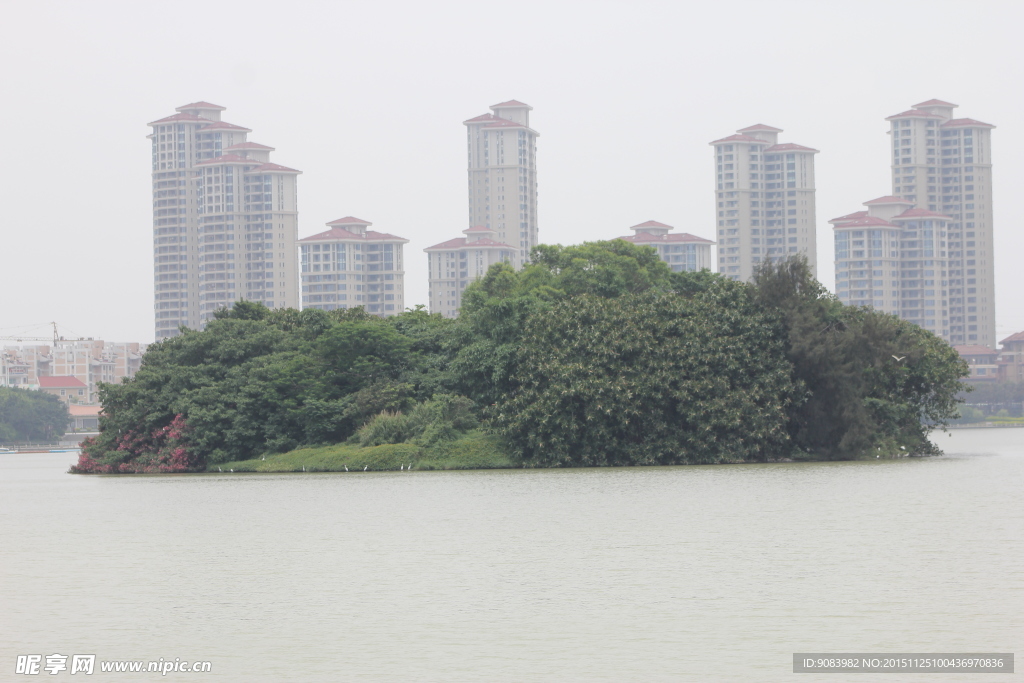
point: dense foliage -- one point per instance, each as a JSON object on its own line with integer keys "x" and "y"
{"x": 868, "y": 380}
{"x": 648, "y": 379}
{"x": 257, "y": 381}
{"x": 30, "y": 415}
{"x": 590, "y": 355}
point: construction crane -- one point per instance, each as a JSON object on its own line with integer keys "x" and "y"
{"x": 21, "y": 338}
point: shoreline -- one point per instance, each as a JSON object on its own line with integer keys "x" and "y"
{"x": 985, "y": 425}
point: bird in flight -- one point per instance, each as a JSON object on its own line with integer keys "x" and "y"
{"x": 899, "y": 358}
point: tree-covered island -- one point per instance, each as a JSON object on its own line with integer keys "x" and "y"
{"x": 592, "y": 355}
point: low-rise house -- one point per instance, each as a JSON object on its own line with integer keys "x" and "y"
{"x": 68, "y": 389}
{"x": 982, "y": 361}
{"x": 84, "y": 418}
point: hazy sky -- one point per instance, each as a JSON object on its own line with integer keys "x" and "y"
{"x": 368, "y": 99}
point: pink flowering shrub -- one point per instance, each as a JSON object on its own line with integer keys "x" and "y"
{"x": 164, "y": 450}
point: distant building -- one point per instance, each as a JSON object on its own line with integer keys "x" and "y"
{"x": 681, "y": 251}
{"x": 84, "y": 418}
{"x": 944, "y": 165}
{"x": 765, "y": 200}
{"x": 894, "y": 258}
{"x": 67, "y": 389}
{"x": 349, "y": 266}
{"x": 1011, "y": 358}
{"x": 503, "y": 175}
{"x": 982, "y": 362}
{"x": 91, "y": 361}
{"x": 457, "y": 262}
{"x": 225, "y": 220}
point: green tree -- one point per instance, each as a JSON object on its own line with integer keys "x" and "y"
{"x": 867, "y": 379}
{"x": 30, "y": 415}
{"x": 257, "y": 381}
{"x": 496, "y": 307}
{"x": 647, "y": 379}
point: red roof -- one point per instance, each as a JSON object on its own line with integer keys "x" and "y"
{"x": 271, "y": 168}
{"x": 510, "y": 104}
{"x": 250, "y": 145}
{"x": 460, "y": 242}
{"x": 350, "y": 220}
{"x": 227, "y": 159}
{"x": 890, "y": 199}
{"x": 935, "y": 103}
{"x": 790, "y": 147}
{"x": 673, "y": 237}
{"x": 502, "y": 123}
{"x": 850, "y": 216}
{"x": 61, "y": 382}
{"x": 737, "y": 138}
{"x": 482, "y": 117}
{"x": 224, "y": 125}
{"x": 342, "y": 234}
{"x": 975, "y": 350}
{"x": 913, "y": 114}
{"x": 178, "y": 117}
{"x": 966, "y": 123}
{"x": 759, "y": 126}
{"x": 1019, "y": 336}
{"x": 200, "y": 105}
{"x": 921, "y": 213}
{"x": 865, "y": 222}
{"x": 651, "y": 224}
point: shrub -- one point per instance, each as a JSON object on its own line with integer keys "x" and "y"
{"x": 386, "y": 427}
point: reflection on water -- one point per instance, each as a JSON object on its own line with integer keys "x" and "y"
{"x": 712, "y": 573}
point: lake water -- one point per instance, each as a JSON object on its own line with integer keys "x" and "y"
{"x": 711, "y": 573}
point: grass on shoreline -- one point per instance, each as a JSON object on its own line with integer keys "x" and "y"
{"x": 474, "y": 451}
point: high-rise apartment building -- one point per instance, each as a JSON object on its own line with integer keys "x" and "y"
{"x": 225, "y": 219}
{"x": 765, "y": 200}
{"x": 680, "y": 250}
{"x": 456, "y": 263}
{"x": 503, "y": 175}
{"x": 894, "y": 257}
{"x": 349, "y": 266}
{"x": 944, "y": 165}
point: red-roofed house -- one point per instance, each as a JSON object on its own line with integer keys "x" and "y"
{"x": 349, "y": 265}
{"x": 681, "y": 250}
{"x": 765, "y": 201}
{"x": 67, "y": 388}
{"x": 457, "y": 262}
{"x": 503, "y": 175}
{"x": 982, "y": 362}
